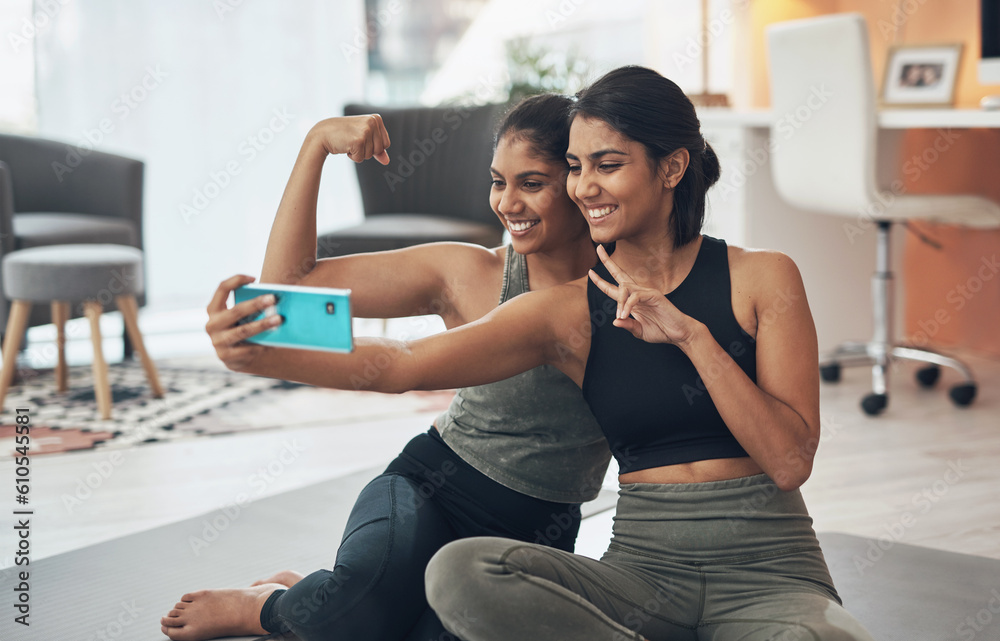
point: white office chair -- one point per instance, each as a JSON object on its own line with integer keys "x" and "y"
{"x": 825, "y": 162}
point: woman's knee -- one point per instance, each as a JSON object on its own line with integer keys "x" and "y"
{"x": 463, "y": 575}
{"x": 453, "y": 570}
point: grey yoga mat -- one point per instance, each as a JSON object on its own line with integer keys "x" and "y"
{"x": 904, "y": 592}
{"x": 118, "y": 590}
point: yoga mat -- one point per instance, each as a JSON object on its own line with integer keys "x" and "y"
{"x": 119, "y": 589}
{"x": 904, "y": 592}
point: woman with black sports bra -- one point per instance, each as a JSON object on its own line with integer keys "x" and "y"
{"x": 702, "y": 370}
{"x": 700, "y": 363}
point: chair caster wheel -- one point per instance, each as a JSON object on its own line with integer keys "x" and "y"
{"x": 873, "y": 404}
{"x": 928, "y": 376}
{"x": 963, "y": 395}
{"x": 830, "y": 373}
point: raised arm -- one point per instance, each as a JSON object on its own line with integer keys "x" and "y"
{"x": 408, "y": 282}
{"x": 533, "y": 329}
{"x": 291, "y": 246}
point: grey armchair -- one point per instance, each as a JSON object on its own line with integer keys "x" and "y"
{"x": 51, "y": 194}
{"x": 436, "y": 187}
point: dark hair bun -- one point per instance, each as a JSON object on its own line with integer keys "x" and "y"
{"x": 642, "y": 105}
{"x": 710, "y": 166}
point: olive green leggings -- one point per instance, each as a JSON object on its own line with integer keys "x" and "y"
{"x": 720, "y": 561}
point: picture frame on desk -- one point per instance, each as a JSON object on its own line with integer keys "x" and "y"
{"x": 921, "y": 75}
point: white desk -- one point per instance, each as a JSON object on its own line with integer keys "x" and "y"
{"x": 745, "y": 210}
{"x": 887, "y": 118}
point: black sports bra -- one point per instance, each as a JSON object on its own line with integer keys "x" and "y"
{"x": 648, "y": 397}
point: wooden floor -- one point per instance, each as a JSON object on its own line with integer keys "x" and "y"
{"x": 924, "y": 473}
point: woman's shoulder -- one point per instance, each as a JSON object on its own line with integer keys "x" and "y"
{"x": 762, "y": 273}
{"x": 760, "y": 263}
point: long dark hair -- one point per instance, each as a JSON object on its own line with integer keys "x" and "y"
{"x": 543, "y": 121}
{"x": 643, "y": 106}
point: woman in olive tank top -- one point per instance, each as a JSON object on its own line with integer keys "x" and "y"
{"x": 513, "y": 458}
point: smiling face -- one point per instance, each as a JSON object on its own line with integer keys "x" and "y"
{"x": 620, "y": 190}
{"x": 529, "y": 196}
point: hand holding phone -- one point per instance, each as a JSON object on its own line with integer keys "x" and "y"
{"x": 316, "y": 318}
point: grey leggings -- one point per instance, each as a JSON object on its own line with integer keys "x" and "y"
{"x": 719, "y": 561}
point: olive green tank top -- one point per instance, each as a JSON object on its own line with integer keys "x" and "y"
{"x": 532, "y": 432}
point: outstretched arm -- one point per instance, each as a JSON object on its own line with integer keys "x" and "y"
{"x": 533, "y": 329}
{"x": 776, "y": 420}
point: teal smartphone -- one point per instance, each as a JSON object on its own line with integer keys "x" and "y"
{"x": 317, "y": 318}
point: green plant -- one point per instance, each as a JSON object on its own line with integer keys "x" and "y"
{"x": 535, "y": 69}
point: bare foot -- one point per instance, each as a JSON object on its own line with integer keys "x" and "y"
{"x": 208, "y": 614}
{"x": 287, "y": 578}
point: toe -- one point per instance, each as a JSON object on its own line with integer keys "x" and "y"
{"x": 169, "y": 632}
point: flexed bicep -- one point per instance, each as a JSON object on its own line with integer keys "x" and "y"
{"x": 414, "y": 281}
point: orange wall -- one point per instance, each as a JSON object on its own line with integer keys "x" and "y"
{"x": 940, "y": 306}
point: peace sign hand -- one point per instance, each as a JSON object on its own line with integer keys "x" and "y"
{"x": 644, "y": 312}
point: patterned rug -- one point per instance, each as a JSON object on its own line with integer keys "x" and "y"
{"x": 197, "y": 401}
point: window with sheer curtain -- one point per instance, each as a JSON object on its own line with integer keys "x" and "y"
{"x": 216, "y": 98}
{"x": 17, "y": 66}
{"x": 466, "y": 50}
